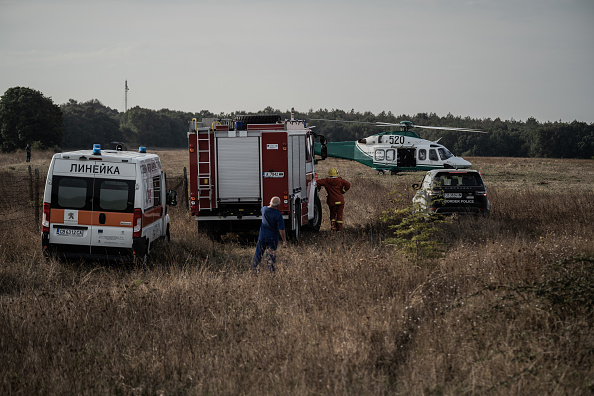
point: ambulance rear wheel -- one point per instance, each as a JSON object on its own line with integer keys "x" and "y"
{"x": 142, "y": 259}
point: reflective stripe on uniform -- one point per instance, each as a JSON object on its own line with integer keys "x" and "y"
{"x": 338, "y": 203}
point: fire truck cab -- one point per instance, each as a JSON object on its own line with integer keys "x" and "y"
{"x": 238, "y": 165}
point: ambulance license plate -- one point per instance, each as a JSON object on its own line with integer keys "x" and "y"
{"x": 69, "y": 232}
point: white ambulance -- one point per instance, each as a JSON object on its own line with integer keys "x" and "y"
{"x": 105, "y": 204}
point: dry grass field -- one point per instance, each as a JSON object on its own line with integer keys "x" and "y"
{"x": 507, "y": 309}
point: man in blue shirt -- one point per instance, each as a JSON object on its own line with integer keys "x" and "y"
{"x": 273, "y": 224}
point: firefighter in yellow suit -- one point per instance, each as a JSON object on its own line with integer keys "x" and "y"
{"x": 335, "y": 186}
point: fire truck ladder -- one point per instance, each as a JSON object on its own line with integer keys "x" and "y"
{"x": 205, "y": 182}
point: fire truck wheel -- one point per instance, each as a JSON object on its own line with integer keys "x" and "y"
{"x": 316, "y": 221}
{"x": 212, "y": 230}
{"x": 295, "y": 233}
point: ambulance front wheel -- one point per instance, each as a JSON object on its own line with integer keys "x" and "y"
{"x": 167, "y": 235}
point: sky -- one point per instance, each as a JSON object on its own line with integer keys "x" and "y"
{"x": 511, "y": 59}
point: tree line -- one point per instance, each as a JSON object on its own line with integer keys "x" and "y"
{"x": 28, "y": 117}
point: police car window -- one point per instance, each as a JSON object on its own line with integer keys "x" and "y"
{"x": 72, "y": 192}
{"x": 433, "y": 155}
{"x": 422, "y": 155}
{"x": 114, "y": 195}
{"x": 471, "y": 179}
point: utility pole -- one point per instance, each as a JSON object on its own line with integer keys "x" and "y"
{"x": 126, "y": 97}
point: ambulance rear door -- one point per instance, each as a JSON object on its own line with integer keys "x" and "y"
{"x": 71, "y": 206}
{"x": 113, "y": 209}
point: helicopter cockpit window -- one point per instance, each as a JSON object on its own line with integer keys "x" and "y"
{"x": 379, "y": 155}
{"x": 444, "y": 153}
{"x": 391, "y": 155}
{"x": 422, "y": 155}
{"x": 433, "y": 155}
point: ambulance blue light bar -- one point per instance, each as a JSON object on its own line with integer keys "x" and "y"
{"x": 142, "y": 149}
{"x": 96, "y": 149}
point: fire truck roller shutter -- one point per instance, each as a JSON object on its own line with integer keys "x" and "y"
{"x": 239, "y": 173}
{"x": 298, "y": 176}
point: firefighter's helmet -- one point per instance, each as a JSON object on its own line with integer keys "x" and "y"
{"x": 333, "y": 172}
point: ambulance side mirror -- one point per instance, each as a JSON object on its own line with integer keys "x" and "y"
{"x": 171, "y": 198}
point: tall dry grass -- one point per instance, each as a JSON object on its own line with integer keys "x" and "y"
{"x": 506, "y": 310}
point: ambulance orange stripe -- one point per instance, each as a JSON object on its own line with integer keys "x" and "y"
{"x": 84, "y": 217}
{"x": 114, "y": 219}
{"x": 151, "y": 216}
{"x": 87, "y": 218}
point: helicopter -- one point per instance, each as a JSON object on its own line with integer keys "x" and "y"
{"x": 396, "y": 151}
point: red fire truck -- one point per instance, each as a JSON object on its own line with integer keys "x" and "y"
{"x": 238, "y": 165}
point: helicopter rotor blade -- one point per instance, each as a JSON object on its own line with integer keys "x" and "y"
{"x": 430, "y": 127}
{"x": 391, "y": 124}
{"x": 450, "y": 129}
{"x": 379, "y": 123}
{"x": 354, "y": 122}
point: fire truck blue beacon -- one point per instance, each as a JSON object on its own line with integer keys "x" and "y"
{"x": 105, "y": 204}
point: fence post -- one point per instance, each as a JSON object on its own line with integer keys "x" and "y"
{"x": 30, "y": 184}
{"x": 186, "y": 188}
{"x": 36, "y": 205}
